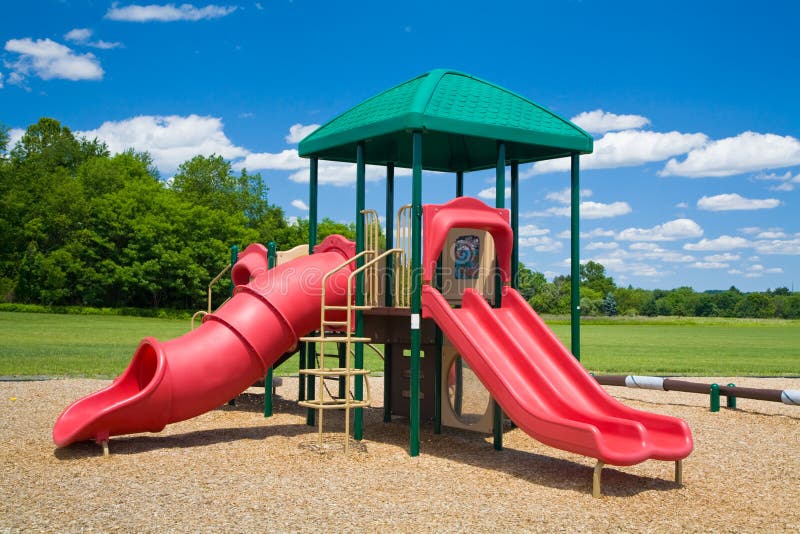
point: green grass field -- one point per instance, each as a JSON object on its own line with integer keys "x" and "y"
{"x": 101, "y": 346}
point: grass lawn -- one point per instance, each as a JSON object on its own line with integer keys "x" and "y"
{"x": 101, "y": 346}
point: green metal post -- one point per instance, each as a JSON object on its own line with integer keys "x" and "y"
{"x": 272, "y": 259}
{"x": 311, "y": 363}
{"x": 731, "y": 400}
{"x": 500, "y": 201}
{"x": 358, "y": 416}
{"x": 313, "y": 194}
{"x": 389, "y": 292}
{"x": 714, "y": 397}
{"x": 301, "y": 392}
{"x": 459, "y": 183}
{"x": 515, "y": 224}
{"x": 575, "y": 272}
{"x": 437, "y": 374}
{"x": 416, "y": 287}
{"x": 234, "y": 259}
{"x": 341, "y": 349}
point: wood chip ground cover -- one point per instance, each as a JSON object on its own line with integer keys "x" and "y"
{"x": 233, "y": 470}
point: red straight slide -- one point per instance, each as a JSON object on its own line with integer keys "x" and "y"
{"x": 544, "y": 389}
{"x": 197, "y": 372}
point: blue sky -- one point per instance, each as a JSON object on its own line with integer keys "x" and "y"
{"x": 695, "y": 178}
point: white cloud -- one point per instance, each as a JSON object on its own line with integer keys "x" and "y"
{"x": 750, "y": 230}
{"x": 758, "y": 270}
{"x": 342, "y": 174}
{"x": 529, "y": 230}
{"x": 710, "y": 265}
{"x": 682, "y": 205}
{"x": 616, "y": 264}
{"x": 723, "y": 242}
{"x": 565, "y": 195}
{"x": 734, "y": 201}
{"x": 789, "y": 247}
{"x": 588, "y": 210}
{"x": 541, "y": 243}
{"x": 490, "y": 193}
{"x": 167, "y": 13}
{"x": 171, "y": 140}
{"x": 627, "y": 149}
{"x": 285, "y": 160}
{"x": 82, "y": 36}
{"x": 602, "y": 245}
{"x": 771, "y": 234}
{"x": 599, "y": 121}
{"x": 727, "y": 256}
{"x": 299, "y": 204}
{"x": 669, "y": 231}
{"x": 746, "y": 152}
{"x": 299, "y": 131}
{"x": 48, "y": 60}
{"x": 787, "y": 181}
{"x": 1, "y": 80}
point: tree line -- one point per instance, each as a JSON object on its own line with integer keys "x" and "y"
{"x": 83, "y": 227}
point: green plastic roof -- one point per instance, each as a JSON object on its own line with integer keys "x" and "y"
{"x": 461, "y": 117}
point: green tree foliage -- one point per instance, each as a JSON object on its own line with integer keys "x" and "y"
{"x": 82, "y": 227}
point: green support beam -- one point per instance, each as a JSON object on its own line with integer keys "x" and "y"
{"x": 500, "y": 202}
{"x": 515, "y": 224}
{"x": 358, "y": 416}
{"x": 575, "y": 272}
{"x": 272, "y": 259}
{"x": 416, "y": 287}
{"x": 389, "y": 292}
{"x": 460, "y": 184}
{"x": 307, "y": 356}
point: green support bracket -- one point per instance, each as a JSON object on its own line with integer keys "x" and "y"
{"x": 714, "y": 397}
{"x": 313, "y": 195}
{"x": 731, "y": 400}
{"x": 460, "y": 184}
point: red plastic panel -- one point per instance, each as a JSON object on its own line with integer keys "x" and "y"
{"x": 465, "y": 212}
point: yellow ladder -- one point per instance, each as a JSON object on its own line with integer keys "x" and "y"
{"x": 320, "y": 403}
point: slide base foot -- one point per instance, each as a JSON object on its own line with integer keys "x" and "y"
{"x": 104, "y": 444}
{"x": 679, "y": 472}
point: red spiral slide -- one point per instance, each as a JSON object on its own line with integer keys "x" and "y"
{"x": 197, "y": 372}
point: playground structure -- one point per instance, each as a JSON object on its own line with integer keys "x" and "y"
{"x": 449, "y": 290}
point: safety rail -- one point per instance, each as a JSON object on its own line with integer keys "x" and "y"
{"x": 211, "y": 284}
{"x": 402, "y": 266}
{"x": 320, "y": 403}
{"x": 372, "y": 234}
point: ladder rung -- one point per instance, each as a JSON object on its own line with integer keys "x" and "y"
{"x": 335, "y": 404}
{"x": 334, "y": 323}
{"x": 316, "y": 339}
{"x": 341, "y": 308}
{"x": 334, "y": 371}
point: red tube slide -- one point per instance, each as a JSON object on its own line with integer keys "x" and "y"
{"x": 197, "y": 372}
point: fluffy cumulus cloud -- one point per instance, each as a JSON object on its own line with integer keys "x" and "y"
{"x": 538, "y": 238}
{"x": 490, "y": 193}
{"x": 785, "y": 181}
{"x": 299, "y": 204}
{"x": 285, "y": 160}
{"x": 757, "y": 271}
{"x": 627, "y": 149}
{"x": 723, "y": 242}
{"x": 588, "y": 209}
{"x": 297, "y": 132}
{"x": 171, "y": 140}
{"x": 166, "y": 13}
{"x": 49, "y": 60}
{"x": 746, "y": 152}
{"x": 599, "y": 121}
{"x": 83, "y": 37}
{"x": 669, "y": 231}
{"x": 734, "y": 201}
